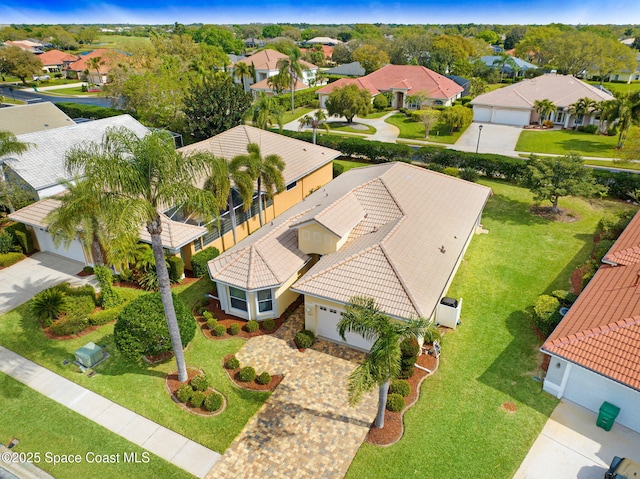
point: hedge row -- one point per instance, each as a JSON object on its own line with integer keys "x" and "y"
{"x": 80, "y": 110}
{"x": 301, "y": 98}
{"x": 200, "y": 259}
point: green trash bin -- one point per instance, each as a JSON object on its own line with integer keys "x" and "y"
{"x": 607, "y": 416}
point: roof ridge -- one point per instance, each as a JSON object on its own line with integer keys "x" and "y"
{"x": 396, "y": 272}
{"x": 235, "y": 256}
{"x": 617, "y": 254}
{"x": 520, "y": 95}
{"x": 596, "y": 331}
{"x": 386, "y": 187}
{"x": 250, "y": 267}
{"x": 257, "y": 250}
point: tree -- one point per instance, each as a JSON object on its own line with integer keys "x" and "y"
{"x": 266, "y": 111}
{"x": 551, "y": 178}
{"x": 214, "y": 105}
{"x": 268, "y": 173}
{"x": 9, "y": 145}
{"x": 314, "y": 121}
{"x": 624, "y": 110}
{"x": 544, "y": 108}
{"x": 504, "y": 61}
{"x": 445, "y": 51}
{"x": 348, "y": 101}
{"x": 272, "y": 31}
{"x": 456, "y": 117}
{"x": 244, "y": 71}
{"x": 292, "y": 67}
{"x": 278, "y": 82}
{"x": 342, "y": 53}
{"x": 20, "y": 63}
{"x": 582, "y": 107}
{"x": 220, "y": 36}
{"x": 96, "y": 63}
{"x": 370, "y": 58}
{"x": 478, "y": 86}
{"x": 612, "y": 56}
{"x": 489, "y": 36}
{"x": 631, "y": 150}
{"x": 382, "y": 365}
{"x": 428, "y": 118}
{"x": 144, "y": 175}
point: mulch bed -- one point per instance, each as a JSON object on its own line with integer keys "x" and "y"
{"x": 563, "y": 216}
{"x": 172, "y": 385}
{"x": 251, "y": 386}
{"x": 158, "y": 358}
{"x": 393, "y": 421}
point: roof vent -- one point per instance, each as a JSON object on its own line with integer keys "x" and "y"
{"x": 442, "y": 250}
{"x": 637, "y": 280}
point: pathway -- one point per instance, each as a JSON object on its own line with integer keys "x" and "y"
{"x": 306, "y": 429}
{"x": 171, "y": 446}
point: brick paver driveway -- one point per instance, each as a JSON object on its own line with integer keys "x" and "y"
{"x": 306, "y": 429}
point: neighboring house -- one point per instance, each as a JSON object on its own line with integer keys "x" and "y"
{"x": 27, "y": 45}
{"x": 265, "y": 64}
{"x": 401, "y": 81}
{"x": 362, "y": 84}
{"x": 595, "y": 350}
{"x": 514, "y": 104}
{"x": 366, "y": 233}
{"x": 324, "y": 41}
{"x": 463, "y": 82}
{"x": 627, "y": 76}
{"x": 494, "y": 61}
{"x": 83, "y": 70}
{"x": 353, "y": 69}
{"x": 264, "y": 86}
{"x": 327, "y": 51}
{"x": 56, "y": 61}
{"x": 22, "y": 119}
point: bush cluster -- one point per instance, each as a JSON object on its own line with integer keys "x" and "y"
{"x": 246, "y": 374}
{"x": 252, "y": 326}
{"x": 304, "y": 339}
{"x": 400, "y": 386}
{"x": 200, "y": 259}
{"x": 9, "y": 259}
{"x": 395, "y": 402}
{"x": 213, "y": 402}
{"x": 234, "y": 329}
{"x": 232, "y": 363}
{"x": 546, "y": 313}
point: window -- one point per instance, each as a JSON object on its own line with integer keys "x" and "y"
{"x": 317, "y": 237}
{"x": 306, "y": 235}
{"x": 322, "y": 308}
{"x": 292, "y": 185}
{"x": 333, "y": 311}
{"x": 238, "y": 298}
{"x": 265, "y": 302}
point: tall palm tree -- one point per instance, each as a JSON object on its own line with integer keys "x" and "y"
{"x": 503, "y": 62}
{"x": 583, "y": 106}
{"x": 144, "y": 175}
{"x": 625, "y": 111}
{"x": 9, "y": 145}
{"x": 96, "y": 63}
{"x": 544, "y": 108}
{"x": 224, "y": 176}
{"x": 382, "y": 364}
{"x": 268, "y": 173}
{"x": 292, "y": 67}
{"x": 267, "y": 111}
{"x": 244, "y": 71}
{"x": 314, "y": 121}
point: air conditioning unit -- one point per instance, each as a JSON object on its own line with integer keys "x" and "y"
{"x": 448, "y": 312}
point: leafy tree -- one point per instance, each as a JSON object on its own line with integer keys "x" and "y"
{"x": 315, "y": 121}
{"x": 631, "y": 150}
{"x": 144, "y": 175}
{"x": 456, "y": 117}
{"x": 20, "y": 63}
{"x": 214, "y": 105}
{"x": 370, "y": 58}
{"x": 544, "y": 108}
{"x": 220, "y": 36}
{"x": 292, "y": 67}
{"x": 88, "y": 35}
{"x": 428, "y": 118}
{"x": 382, "y": 365}
{"x": 533, "y": 46}
{"x": 348, "y": 101}
{"x": 489, "y": 36}
{"x": 611, "y": 56}
{"x": 342, "y": 53}
{"x": 272, "y": 31}
{"x": 446, "y": 50}
{"x": 266, "y": 112}
{"x": 267, "y": 171}
{"x": 478, "y": 86}
{"x": 513, "y": 36}
{"x": 551, "y": 178}
{"x": 9, "y": 145}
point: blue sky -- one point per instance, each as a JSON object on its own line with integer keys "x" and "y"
{"x": 323, "y": 11}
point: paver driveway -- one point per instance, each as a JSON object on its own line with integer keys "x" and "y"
{"x": 306, "y": 429}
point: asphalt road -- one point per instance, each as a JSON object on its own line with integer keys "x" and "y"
{"x": 23, "y": 95}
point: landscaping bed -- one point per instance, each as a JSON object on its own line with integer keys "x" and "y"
{"x": 253, "y": 385}
{"x": 172, "y": 385}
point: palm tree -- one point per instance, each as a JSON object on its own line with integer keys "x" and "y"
{"x": 268, "y": 173}
{"x": 224, "y": 174}
{"x": 243, "y": 71}
{"x": 9, "y": 145}
{"x": 503, "y": 61}
{"x": 144, "y": 175}
{"x": 544, "y": 108}
{"x": 266, "y": 111}
{"x": 625, "y": 111}
{"x": 292, "y": 67}
{"x": 96, "y": 63}
{"x": 382, "y": 364}
{"x": 314, "y": 121}
{"x": 583, "y": 106}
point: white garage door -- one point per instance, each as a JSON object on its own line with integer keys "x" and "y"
{"x": 327, "y": 328}
{"x": 481, "y": 114}
{"x": 590, "y": 390}
{"x": 74, "y": 251}
{"x": 511, "y": 117}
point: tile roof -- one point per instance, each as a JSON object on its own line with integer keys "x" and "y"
{"x": 362, "y": 83}
{"x": 562, "y": 90}
{"x": 601, "y": 331}
{"x": 349, "y": 69}
{"x": 21, "y": 119}
{"x": 264, "y": 85}
{"x": 324, "y": 41}
{"x": 35, "y": 213}
{"x": 490, "y": 61}
{"x": 339, "y": 217}
{"x": 56, "y": 57}
{"x": 268, "y": 60}
{"x": 300, "y": 157}
{"x": 42, "y": 165}
{"x": 417, "y": 79}
{"x": 107, "y": 55}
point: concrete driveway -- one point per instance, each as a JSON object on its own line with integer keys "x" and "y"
{"x": 20, "y": 282}
{"x": 571, "y": 445}
{"x": 499, "y": 139}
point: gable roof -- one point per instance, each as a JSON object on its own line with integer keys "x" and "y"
{"x": 362, "y": 83}
{"x": 108, "y": 56}
{"x": 353, "y": 69}
{"x": 42, "y": 165}
{"x": 268, "y": 60}
{"x": 562, "y": 90}
{"x": 300, "y": 157}
{"x": 56, "y": 57}
{"x": 601, "y": 331}
{"x": 324, "y": 41}
{"x": 264, "y": 85}
{"x": 21, "y": 119}
{"x": 416, "y": 79}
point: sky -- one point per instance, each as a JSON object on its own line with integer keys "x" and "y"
{"x": 323, "y": 11}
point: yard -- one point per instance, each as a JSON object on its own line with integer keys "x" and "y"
{"x": 632, "y": 87}
{"x": 414, "y": 130}
{"x": 355, "y": 127}
{"x": 563, "y": 142}
{"x": 459, "y": 428}
{"x": 299, "y": 112}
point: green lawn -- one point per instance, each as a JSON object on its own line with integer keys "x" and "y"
{"x": 632, "y": 87}
{"x": 69, "y": 91}
{"x": 495, "y": 86}
{"x": 458, "y": 428}
{"x": 563, "y": 142}
{"x": 344, "y": 127}
{"x": 414, "y": 130}
{"x": 42, "y": 425}
{"x": 347, "y": 164}
{"x": 140, "y": 388}
{"x": 375, "y": 114}
{"x": 297, "y": 113}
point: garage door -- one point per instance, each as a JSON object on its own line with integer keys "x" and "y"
{"x": 74, "y": 251}
{"x": 327, "y": 328}
{"x": 511, "y": 117}
{"x": 481, "y": 114}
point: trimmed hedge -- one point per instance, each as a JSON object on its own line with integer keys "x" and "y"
{"x": 105, "y": 316}
{"x": 400, "y": 386}
{"x": 176, "y": 268}
{"x": 252, "y": 326}
{"x": 264, "y": 378}
{"x": 197, "y": 399}
{"x": 213, "y": 402}
{"x": 8, "y": 259}
{"x": 246, "y": 374}
{"x": 199, "y": 383}
{"x": 234, "y": 329}
{"x": 219, "y": 330}
{"x": 200, "y": 259}
{"x": 232, "y": 363}
{"x": 80, "y": 110}
{"x": 301, "y": 98}
{"x": 69, "y": 326}
{"x": 395, "y": 402}
{"x": 184, "y": 393}
{"x": 269, "y": 324}
{"x": 546, "y": 314}
{"x": 25, "y": 240}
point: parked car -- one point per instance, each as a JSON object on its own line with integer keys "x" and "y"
{"x": 623, "y": 468}
{"x": 41, "y": 77}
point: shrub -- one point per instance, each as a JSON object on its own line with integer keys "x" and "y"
{"x": 269, "y": 325}
{"x": 469, "y": 174}
{"x": 80, "y": 110}
{"x": 25, "y": 240}
{"x": 232, "y": 363}
{"x": 212, "y": 323}
{"x": 47, "y": 305}
{"x": 206, "y": 314}
{"x": 246, "y": 374}
{"x": 601, "y": 249}
{"x": 234, "y": 329}
{"x": 546, "y": 313}
{"x": 338, "y": 169}
{"x": 109, "y": 297}
{"x": 400, "y": 386}
{"x": 148, "y": 280}
{"x": 263, "y": 378}
{"x": 141, "y": 329}
{"x": 88, "y": 269}
{"x": 176, "y": 268}
{"x": 590, "y": 128}
{"x": 200, "y": 259}
{"x": 199, "y": 383}
{"x": 105, "y": 316}
{"x": 213, "y": 402}
{"x": 79, "y": 306}
{"x": 547, "y": 124}
{"x": 409, "y": 347}
{"x": 184, "y": 393}
{"x": 252, "y": 326}
{"x": 7, "y": 244}
{"x": 406, "y": 373}
{"x": 566, "y": 298}
{"x": 452, "y": 171}
{"x": 69, "y": 326}
{"x": 219, "y": 330}
{"x": 380, "y": 102}
{"x": 304, "y": 340}
{"x": 196, "y": 399}
{"x": 395, "y": 402}
{"x": 9, "y": 259}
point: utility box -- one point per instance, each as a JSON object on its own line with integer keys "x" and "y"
{"x": 448, "y": 312}
{"x": 89, "y": 355}
{"x": 607, "y": 416}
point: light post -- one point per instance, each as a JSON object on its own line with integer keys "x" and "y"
{"x": 479, "y": 133}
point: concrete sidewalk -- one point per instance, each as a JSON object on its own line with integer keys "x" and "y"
{"x": 171, "y": 446}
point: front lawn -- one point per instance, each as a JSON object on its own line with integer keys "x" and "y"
{"x": 563, "y": 142}
{"x": 459, "y": 429}
{"x": 355, "y": 127}
{"x": 414, "y": 130}
{"x": 631, "y": 88}
{"x": 347, "y": 164}
{"x": 141, "y": 388}
{"x": 299, "y": 112}
{"x": 42, "y": 425}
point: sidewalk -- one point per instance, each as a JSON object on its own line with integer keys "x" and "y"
{"x": 171, "y": 446}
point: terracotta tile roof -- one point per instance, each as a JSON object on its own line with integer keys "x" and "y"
{"x": 56, "y": 57}
{"x": 264, "y": 85}
{"x": 108, "y": 56}
{"x": 416, "y": 78}
{"x": 363, "y": 84}
{"x": 601, "y": 331}
{"x": 267, "y": 60}
{"x": 327, "y": 50}
{"x": 23, "y": 119}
